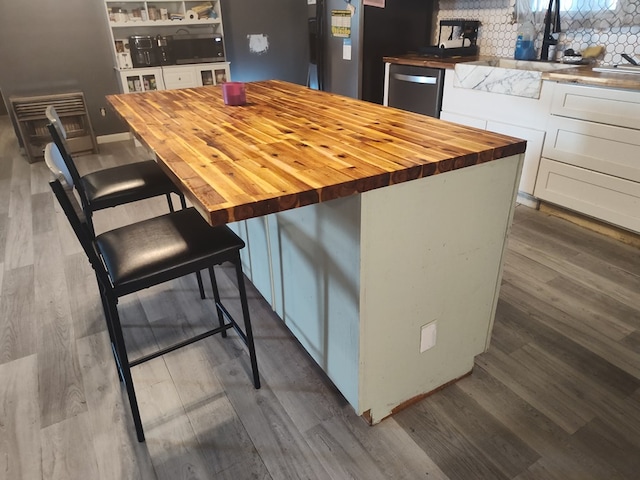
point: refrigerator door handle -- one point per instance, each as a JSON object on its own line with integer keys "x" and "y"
{"x": 415, "y": 78}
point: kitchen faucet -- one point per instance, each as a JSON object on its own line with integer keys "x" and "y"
{"x": 551, "y": 25}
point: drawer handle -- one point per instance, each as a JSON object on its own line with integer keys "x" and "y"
{"x": 415, "y": 78}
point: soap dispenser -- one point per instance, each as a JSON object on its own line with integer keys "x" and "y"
{"x": 525, "y": 49}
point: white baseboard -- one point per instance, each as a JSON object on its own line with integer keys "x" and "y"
{"x": 114, "y": 137}
{"x": 527, "y": 200}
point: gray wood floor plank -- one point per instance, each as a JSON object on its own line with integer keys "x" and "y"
{"x": 559, "y": 454}
{"x": 44, "y": 216}
{"x": 632, "y": 342}
{"x": 61, "y": 388}
{"x": 19, "y": 246}
{"x": 508, "y": 452}
{"x": 583, "y": 333}
{"x": 283, "y": 449}
{"x": 4, "y": 222}
{"x": 40, "y": 178}
{"x": 67, "y": 450}
{"x": 118, "y": 455}
{"x": 222, "y": 438}
{"x": 558, "y": 293}
{"x": 533, "y": 385}
{"x": 18, "y": 331}
{"x": 529, "y": 330}
{"x": 559, "y": 234}
{"x": 523, "y": 263}
{"x": 591, "y": 272}
{"x": 20, "y": 453}
{"x": 170, "y": 439}
{"x": 299, "y": 385}
{"x": 340, "y": 452}
{"x": 455, "y": 454}
{"x": 87, "y": 316}
{"x": 604, "y": 440}
{"x": 392, "y": 448}
{"x": 604, "y": 306}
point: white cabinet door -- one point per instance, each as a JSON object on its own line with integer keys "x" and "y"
{"x": 535, "y": 141}
{"x": 534, "y": 138}
{"x": 212, "y": 74}
{"x": 180, "y": 77}
{"x": 464, "y": 120}
{"x": 141, "y": 80}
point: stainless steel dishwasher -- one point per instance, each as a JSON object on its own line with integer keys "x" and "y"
{"x": 416, "y": 89}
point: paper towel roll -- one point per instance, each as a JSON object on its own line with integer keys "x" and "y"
{"x": 456, "y": 43}
{"x": 191, "y": 15}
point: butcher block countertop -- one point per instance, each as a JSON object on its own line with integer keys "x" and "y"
{"x": 291, "y": 146}
{"x": 416, "y": 60}
{"x": 586, "y": 76}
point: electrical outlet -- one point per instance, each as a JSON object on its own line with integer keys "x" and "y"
{"x": 428, "y": 336}
{"x": 103, "y": 112}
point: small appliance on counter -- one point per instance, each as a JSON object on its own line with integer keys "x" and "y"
{"x": 452, "y": 43}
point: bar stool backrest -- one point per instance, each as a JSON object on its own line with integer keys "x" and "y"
{"x": 54, "y": 118}
{"x": 76, "y": 218}
{"x": 55, "y": 162}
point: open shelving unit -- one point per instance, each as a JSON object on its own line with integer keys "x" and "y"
{"x": 163, "y": 17}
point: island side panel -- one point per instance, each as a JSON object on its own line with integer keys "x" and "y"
{"x": 431, "y": 251}
{"x": 315, "y": 253}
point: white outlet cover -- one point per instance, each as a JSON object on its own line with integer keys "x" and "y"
{"x": 428, "y": 335}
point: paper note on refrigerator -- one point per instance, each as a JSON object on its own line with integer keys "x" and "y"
{"x": 346, "y": 49}
{"x": 341, "y": 23}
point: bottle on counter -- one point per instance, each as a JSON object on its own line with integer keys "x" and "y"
{"x": 525, "y": 47}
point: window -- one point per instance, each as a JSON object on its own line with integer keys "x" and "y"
{"x": 588, "y": 14}
{"x": 576, "y": 5}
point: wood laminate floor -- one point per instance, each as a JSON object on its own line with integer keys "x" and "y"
{"x": 557, "y": 396}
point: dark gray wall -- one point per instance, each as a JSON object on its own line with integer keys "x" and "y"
{"x": 284, "y": 22}
{"x": 57, "y": 46}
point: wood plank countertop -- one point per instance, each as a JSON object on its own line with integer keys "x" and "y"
{"x": 291, "y": 146}
{"x": 416, "y": 60}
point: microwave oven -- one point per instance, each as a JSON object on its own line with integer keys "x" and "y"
{"x": 196, "y": 48}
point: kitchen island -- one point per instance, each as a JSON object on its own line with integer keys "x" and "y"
{"x": 398, "y": 248}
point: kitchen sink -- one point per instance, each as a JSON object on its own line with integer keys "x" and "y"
{"x": 521, "y": 78}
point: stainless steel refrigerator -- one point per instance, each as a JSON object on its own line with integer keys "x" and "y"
{"x": 302, "y": 49}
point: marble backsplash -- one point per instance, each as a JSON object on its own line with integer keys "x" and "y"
{"x": 497, "y": 35}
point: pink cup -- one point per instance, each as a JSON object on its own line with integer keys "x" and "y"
{"x": 234, "y": 93}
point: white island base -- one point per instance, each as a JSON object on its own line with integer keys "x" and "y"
{"x": 356, "y": 280}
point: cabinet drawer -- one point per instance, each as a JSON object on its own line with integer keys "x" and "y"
{"x": 603, "y": 148}
{"x": 180, "y": 78}
{"x": 607, "y": 198}
{"x": 597, "y": 104}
